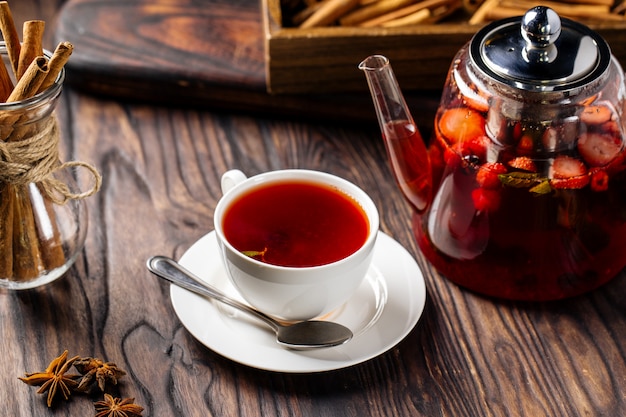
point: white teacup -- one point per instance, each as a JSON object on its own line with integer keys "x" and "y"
{"x": 287, "y": 292}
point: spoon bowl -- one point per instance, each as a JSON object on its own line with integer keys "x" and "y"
{"x": 309, "y": 334}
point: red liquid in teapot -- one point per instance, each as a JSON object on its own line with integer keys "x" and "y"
{"x": 296, "y": 224}
{"x": 540, "y": 215}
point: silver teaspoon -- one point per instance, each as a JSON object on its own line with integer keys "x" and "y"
{"x": 302, "y": 335}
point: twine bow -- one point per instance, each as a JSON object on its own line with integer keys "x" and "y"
{"x": 35, "y": 158}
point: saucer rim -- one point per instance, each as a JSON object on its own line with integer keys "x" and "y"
{"x": 412, "y": 289}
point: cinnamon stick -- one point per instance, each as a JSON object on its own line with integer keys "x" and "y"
{"x": 32, "y": 45}
{"x": 501, "y": 12}
{"x": 619, "y": 8}
{"x": 582, "y": 10}
{"x": 31, "y": 80}
{"x": 48, "y": 233}
{"x": 395, "y": 14}
{"x": 480, "y": 14}
{"x": 328, "y": 12}
{"x": 567, "y": 10}
{"x": 411, "y": 19}
{"x": 509, "y": 10}
{"x": 6, "y": 230}
{"x": 9, "y": 33}
{"x": 373, "y": 10}
{"x": 602, "y": 2}
{"x": 402, "y": 12}
{"x": 27, "y": 261}
{"x": 470, "y": 6}
{"x": 305, "y": 13}
{"x": 57, "y": 61}
{"x": 6, "y": 84}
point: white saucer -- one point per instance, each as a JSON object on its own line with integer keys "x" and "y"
{"x": 381, "y": 313}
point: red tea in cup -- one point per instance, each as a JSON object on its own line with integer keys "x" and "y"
{"x": 296, "y": 224}
{"x": 296, "y": 244}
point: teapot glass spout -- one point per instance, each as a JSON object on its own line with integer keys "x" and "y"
{"x": 406, "y": 150}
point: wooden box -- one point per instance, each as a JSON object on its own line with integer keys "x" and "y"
{"x": 324, "y": 60}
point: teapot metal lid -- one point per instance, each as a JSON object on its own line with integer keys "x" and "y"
{"x": 540, "y": 52}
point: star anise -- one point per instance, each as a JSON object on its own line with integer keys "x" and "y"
{"x": 116, "y": 407}
{"x": 54, "y": 378}
{"x": 96, "y": 370}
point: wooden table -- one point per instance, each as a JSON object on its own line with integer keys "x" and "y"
{"x": 467, "y": 356}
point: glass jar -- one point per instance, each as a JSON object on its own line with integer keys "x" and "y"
{"x": 43, "y": 218}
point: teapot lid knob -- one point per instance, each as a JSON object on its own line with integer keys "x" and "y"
{"x": 540, "y": 27}
{"x": 540, "y": 52}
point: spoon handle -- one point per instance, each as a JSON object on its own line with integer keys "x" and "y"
{"x": 172, "y": 271}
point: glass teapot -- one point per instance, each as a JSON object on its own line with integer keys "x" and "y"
{"x": 521, "y": 192}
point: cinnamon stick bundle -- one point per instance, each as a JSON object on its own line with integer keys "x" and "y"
{"x": 365, "y": 12}
{"x": 395, "y": 13}
{"x": 497, "y": 9}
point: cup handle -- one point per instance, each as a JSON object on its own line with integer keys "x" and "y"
{"x": 231, "y": 178}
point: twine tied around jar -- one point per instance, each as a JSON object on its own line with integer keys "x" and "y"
{"x": 35, "y": 158}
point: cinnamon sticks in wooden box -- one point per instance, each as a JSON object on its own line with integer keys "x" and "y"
{"x": 400, "y": 13}
{"x": 370, "y": 13}
{"x": 586, "y": 10}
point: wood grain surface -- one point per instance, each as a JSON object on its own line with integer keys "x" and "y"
{"x": 207, "y": 53}
{"x": 468, "y": 356}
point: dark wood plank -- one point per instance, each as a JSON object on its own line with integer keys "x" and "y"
{"x": 210, "y": 43}
{"x": 205, "y": 53}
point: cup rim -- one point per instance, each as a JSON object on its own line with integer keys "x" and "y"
{"x": 360, "y": 196}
